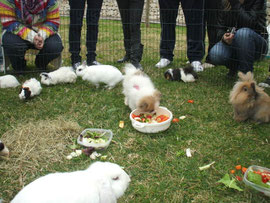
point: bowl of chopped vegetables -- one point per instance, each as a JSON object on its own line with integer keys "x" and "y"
{"x": 94, "y": 137}
{"x": 155, "y": 122}
{"x": 258, "y": 178}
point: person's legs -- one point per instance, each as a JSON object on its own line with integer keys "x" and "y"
{"x": 75, "y": 28}
{"x": 249, "y": 47}
{"x": 51, "y": 50}
{"x": 210, "y": 19}
{"x": 193, "y": 12}
{"x": 92, "y": 18}
{"x": 168, "y": 15}
{"x": 135, "y": 15}
{"x": 123, "y": 6}
{"x": 222, "y": 54}
{"x": 15, "y": 48}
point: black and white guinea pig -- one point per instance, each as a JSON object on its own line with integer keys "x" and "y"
{"x": 186, "y": 74}
{"x": 30, "y": 88}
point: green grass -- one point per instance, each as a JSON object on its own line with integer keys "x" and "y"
{"x": 159, "y": 169}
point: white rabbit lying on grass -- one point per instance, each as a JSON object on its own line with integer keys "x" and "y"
{"x": 97, "y": 74}
{"x": 7, "y": 81}
{"x": 61, "y": 75}
{"x": 102, "y": 182}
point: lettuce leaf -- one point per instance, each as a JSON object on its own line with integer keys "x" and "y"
{"x": 228, "y": 182}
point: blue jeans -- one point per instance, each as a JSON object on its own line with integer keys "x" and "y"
{"x": 247, "y": 47}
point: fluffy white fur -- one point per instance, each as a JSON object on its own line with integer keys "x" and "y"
{"x": 61, "y": 75}
{"x": 30, "y": 88}
{"x": 3, "y": 149}
{"x": 102, "y": 182}
{"x": 139, "y": 90}
{"x": 7, "y": 81}
{"x": 97, "y": 74}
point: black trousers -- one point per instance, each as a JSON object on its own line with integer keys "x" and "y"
{"x": 211, "y": 8}
{"x": 193, "y": 13}
{"x": 131, "y": 15}
{"x": 75, "y": 28}
{"x": 15, "y": 48}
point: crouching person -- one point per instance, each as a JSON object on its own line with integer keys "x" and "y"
{"x": 30, "y": 24}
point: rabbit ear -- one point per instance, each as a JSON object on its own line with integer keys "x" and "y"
{"x": 245, "y": 77}
{"x": 44, "y": 74}
{"x": 106, "y": 193}
{"x": 157, "y": 94}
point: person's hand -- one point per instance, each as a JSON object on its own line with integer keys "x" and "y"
{"x": 38, "y": 42}
{"x": 228, "y": 38}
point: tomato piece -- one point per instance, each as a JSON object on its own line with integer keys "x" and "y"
{"x": 175, "y": 120}
{"x": 244, "y": 169}
{"x": 264, "y": 179}
{"x": 238, "y": 178}
{"x": 149, "y": 116}
{"x": 191, "y": 101}
{"x": 162, "y": 118}
{"x": 232, "y": 171}
{"x": 238, "y": 167}
{"x": 134, "y": 116}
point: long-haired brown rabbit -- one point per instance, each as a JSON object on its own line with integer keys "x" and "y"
{"x": 249, "y": 100}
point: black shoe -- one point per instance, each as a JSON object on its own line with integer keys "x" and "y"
{"x": 93, "y": 63}
{"x": 137, "y": 65}
{"x": 232, "y": 73}
{"x": 125, "y": 59}
{"x": 76, "y": 65}
{"x": 265, "y": 83}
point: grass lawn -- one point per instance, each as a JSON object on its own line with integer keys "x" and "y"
{"x": 157, "y": 164}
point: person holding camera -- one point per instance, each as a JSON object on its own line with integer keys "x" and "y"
{"x": 243, "y": 35}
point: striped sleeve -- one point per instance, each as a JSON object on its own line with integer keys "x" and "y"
{"x": 10, "y": 22}
{"x": 52, "y": 22}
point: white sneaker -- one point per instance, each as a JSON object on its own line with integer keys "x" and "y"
{"x": 207, "y": 65}
{"x": 163, "y": 63}
{"x": 197, "y": 66}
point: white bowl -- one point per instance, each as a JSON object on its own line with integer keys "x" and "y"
{"x": 152, "y": 127}
{"x": 257, "y": 187}
{"x": 108, "y": 134}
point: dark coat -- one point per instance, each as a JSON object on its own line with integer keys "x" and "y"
{"x": 251, "y": 14}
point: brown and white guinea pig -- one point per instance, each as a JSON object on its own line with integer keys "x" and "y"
{"x": 30, "y": 88}
{"x": 101, "y": 182}
{"x": 139, "y": 91}
{"x": 186, "y": 74}
{"x": 249, "y": 101}
{"x": 3, "y": 149}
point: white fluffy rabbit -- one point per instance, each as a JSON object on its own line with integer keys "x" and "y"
{"x": 3, "y": 149}
{"x": 97, "y": 74}
{"x": 61, "y": 75}
{"x": 102, "y": 182}
{"x": 30, "y": 88}
{"x": 140, "y": 92}
{"x": 7, "y": 81}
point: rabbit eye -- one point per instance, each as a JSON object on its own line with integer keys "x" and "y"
{"x": 116, "y": 178}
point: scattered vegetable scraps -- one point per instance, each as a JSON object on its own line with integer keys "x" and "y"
{"x": 175, "y": 120}
{"x": 228, "y": 182}
{"x": 206, "y": 166}
{"x": 121, "y": 124}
